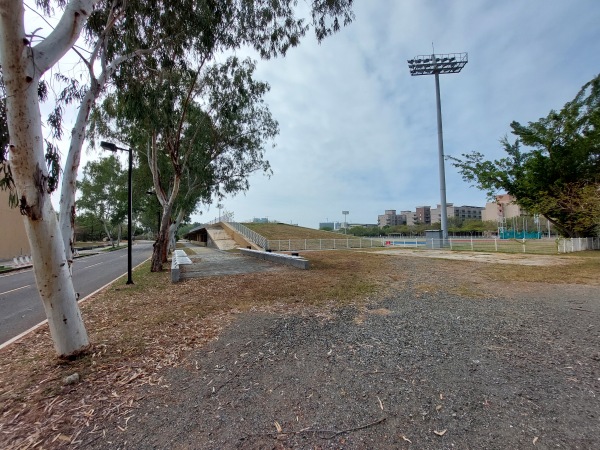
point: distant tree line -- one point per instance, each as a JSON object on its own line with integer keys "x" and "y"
{"x": 455, "y": 226}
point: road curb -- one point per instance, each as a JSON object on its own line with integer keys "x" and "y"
{"x": 35, "y": 327}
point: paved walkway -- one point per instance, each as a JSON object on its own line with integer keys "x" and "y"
{"x": 209, "y": 262}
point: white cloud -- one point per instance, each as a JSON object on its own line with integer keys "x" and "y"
{"x": 359, "y": 133}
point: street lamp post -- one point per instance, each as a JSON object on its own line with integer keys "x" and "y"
{"x": 113, "y": 148}
{"x": 435, "y": 65}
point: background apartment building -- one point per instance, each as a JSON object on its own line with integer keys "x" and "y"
{"x": 423, "y": 215}
{"x": 459, "y": 212}
{"x": 409, "y": 216}
{"x": 503, "y": 208}
{"x": 391, "y": 219}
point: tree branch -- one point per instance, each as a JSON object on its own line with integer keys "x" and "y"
{"x": 63, "y": 37}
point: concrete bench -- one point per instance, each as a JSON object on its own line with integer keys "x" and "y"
{"x": 280, "y": 258}
{"x": 179, "y": 259}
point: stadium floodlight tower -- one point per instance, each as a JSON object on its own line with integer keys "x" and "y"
{"x": 435, "y": 65}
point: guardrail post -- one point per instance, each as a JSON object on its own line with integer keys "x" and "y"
{"x": 496, "y": 243}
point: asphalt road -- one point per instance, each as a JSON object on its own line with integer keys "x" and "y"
{"x": 20, "y": 304}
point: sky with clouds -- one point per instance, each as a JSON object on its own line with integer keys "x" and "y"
{"x": 358, "y": 133}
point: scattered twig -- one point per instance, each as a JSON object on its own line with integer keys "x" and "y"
{"x": 329, "y": 434}
{"x": 238, "y": 372}
{"x": 581, "y": 309}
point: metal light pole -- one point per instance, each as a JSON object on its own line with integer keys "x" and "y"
{"x": 113, "y": 148}
{"x": 435, "y": 65}
{"x": 345, "y": 213}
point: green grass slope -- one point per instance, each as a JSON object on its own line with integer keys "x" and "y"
{"x": 273, "y": 231}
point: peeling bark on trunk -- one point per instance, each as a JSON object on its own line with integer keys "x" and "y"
{"x": 173, "y": 230}
{"x": 161, "y": 245}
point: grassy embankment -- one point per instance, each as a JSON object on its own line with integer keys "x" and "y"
{"x": 274, "y": 231}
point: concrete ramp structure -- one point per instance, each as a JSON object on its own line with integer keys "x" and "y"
{"x": 219, "y": 238}
{"x": 220, "y": 235}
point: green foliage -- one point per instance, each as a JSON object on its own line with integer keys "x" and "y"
{"x": 559, "y": 175}
{"x": 211, "y": 127}
{"x": 89, "y": 228}
{"x": 475, "y": 227}
{"x": 185, "y": 228}
{"x": 103, "y": 191}
{"x": 365, "y": 231}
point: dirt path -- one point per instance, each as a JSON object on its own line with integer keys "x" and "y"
{"x": 513, "y": 366}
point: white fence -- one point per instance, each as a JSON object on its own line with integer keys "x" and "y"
{"x": 578, "y": 244}
{"x": 284, "y": 245}
{"x": 542, "y": 246}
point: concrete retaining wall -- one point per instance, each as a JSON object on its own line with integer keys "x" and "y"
{"x": 280, "y": 258}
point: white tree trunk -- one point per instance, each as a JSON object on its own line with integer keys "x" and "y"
{"x": 22, "y": 67}
{"x": 173, "y": 230}
{"x": 69, "y": 179}
{"x": 107, "y": 231}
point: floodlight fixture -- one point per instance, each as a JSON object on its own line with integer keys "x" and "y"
{"x": 345, "y": 213}
{"x": 435, "y": 65}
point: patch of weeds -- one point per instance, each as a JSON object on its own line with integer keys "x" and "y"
{"x": 581, "y": 268}
{"x": 464, "y": 290}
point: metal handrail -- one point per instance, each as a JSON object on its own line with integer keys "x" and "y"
{"x": 224, "y": 218}
{"x": 249, "y": 234}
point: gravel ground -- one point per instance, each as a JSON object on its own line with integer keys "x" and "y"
{"x": 512, "y": 366}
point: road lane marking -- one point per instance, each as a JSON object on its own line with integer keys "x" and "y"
{"x": 13, "y": 290}
{"x": 97, "y": 264}
{"x": 16, "y": 272}
{"x": 35, "y": 327}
